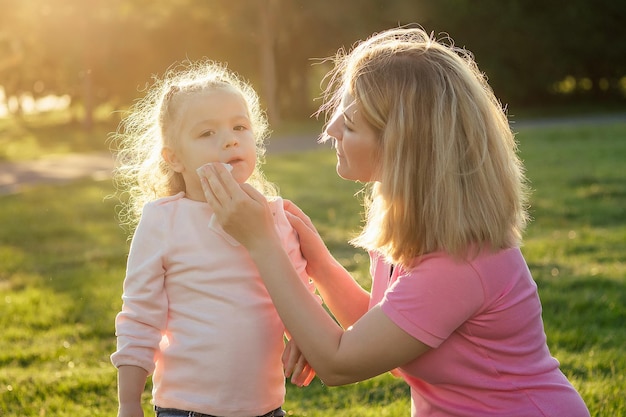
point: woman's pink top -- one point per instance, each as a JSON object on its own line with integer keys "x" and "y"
{"x": 482, "y": 319}
{"x": 197, "y": 315}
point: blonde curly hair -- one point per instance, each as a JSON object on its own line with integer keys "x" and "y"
{"x": 141, "y": 174}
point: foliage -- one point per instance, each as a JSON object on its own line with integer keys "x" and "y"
{"x": 105, "y": 51}
{"x": 62, "y": 259}
{"x": 526, "y": 47}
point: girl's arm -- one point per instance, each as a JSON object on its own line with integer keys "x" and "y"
{"x": 131, "y": 381}
{"x": 372, "y": 346}
{"x": 144, "y": 313}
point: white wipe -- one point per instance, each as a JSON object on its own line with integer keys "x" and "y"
{"x": 228, "y": 167}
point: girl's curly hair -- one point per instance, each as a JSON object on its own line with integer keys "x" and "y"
{"x": 141, "y": 174}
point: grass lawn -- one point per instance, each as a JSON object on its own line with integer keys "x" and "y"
{"x": 62, "y": 259}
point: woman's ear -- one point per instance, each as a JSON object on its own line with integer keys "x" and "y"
{"x": 169, "y": 156}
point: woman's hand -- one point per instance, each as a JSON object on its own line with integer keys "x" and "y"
{"x": 340, "y": 292}
{"x": 242, "y": 211}
{"x": 312, "y": 246}
{"x": 296, "y": 365}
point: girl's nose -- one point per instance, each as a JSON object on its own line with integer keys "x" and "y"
{"x": 231, "y": 140}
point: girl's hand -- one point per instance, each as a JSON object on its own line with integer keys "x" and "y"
{"x": 296, "y": 365}
{"x": 130, "y": 410}
{"x": 242, "y": 211}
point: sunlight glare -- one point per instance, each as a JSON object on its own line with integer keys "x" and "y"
{"x": 31, "y": 105}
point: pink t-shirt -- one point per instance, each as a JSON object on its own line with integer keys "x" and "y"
{"x": 482, "y": 319}
{"x": 196, "y": 313}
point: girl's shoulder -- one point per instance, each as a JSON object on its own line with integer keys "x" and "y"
{"x": 276, "y": 205}
{"x": 167, "y": 200}
{"x": 161, "y": 204}
{"x": 277, "y": 208}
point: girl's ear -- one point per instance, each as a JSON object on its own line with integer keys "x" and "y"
{"x": 169, "y": 156}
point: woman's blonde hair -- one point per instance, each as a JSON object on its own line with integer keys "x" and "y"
{"x": 450, "y": 177}
{"x": 142, "y": 175}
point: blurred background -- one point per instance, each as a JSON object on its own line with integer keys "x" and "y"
{"x": 93, "y": 58}
{"x": 70, "y": 68}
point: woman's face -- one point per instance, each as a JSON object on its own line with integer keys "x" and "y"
{"x": 356, "y": 142}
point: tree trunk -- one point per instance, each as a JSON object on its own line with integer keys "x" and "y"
{"x": 267, "y": 41}
{"x": 88, "y": 100}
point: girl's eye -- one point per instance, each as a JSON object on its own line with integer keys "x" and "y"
{"x": 207, "y": 133}
{"x": 240, "y": 127}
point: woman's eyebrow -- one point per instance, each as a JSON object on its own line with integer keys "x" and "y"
{"x": 348, "y": 118}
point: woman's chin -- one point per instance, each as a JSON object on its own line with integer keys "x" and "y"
{"x": 343, "y": 173}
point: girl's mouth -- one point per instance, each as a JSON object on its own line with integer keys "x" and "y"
{"x": 233, "y": 162}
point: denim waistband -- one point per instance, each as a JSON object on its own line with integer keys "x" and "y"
{"x": 172, "y": 412}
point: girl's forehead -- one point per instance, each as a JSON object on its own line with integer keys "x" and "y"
{"x": 194, "y": 90}
{"x": 218, "y": 89}
{"x": 199, "y": 96}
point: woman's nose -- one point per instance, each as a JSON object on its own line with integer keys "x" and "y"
{"x": 335, "y": 127}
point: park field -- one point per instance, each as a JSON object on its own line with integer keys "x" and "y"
{"x": 62, "y": 259}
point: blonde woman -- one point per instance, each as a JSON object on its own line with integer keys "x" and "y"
{"x": 195, "y": 313}
{"x": 453, "y": 307}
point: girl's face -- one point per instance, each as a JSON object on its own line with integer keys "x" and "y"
{"x": 213, "y": 126}
{"x": 356, "y": 143}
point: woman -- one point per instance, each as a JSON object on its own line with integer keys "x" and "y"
{"x": 453, "y": 304}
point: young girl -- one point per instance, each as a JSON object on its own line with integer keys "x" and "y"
{"x": 453, "y": 304}
{"x": 195, "y": 312}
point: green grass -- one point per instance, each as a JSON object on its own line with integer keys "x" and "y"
{"x": 62, "y": 259}
{"x": 576, "y": 248}
{"x": 35, "y": 136}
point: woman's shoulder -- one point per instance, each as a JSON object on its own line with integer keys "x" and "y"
{"x": 498, "y": 270}
{"x": 474, "y": 255}
{"x": 499, "y": 260}
{"x": 478, "y": 262}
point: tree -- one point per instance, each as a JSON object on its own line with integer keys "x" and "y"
{"x": 106, "y": 51}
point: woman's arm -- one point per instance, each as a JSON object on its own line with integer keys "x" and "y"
{"x": 373, "y": 345}
{"x": 341, "y": 293}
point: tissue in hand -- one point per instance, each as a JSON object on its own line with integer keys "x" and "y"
{"x": 228, "y": 167}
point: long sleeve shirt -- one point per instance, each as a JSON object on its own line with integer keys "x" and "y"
{"x": 197, "y": 315}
